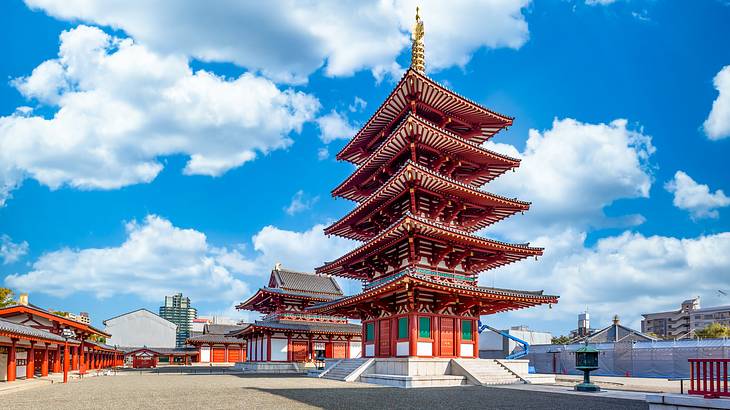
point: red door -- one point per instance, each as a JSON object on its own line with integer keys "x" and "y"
{"x": 299, "y": 351}
{"x": 447, "y": 337}
{"x": 338, "y": 350}
{"x": 234, "y": 354}
{"x": 384, "y": 337}
{"x": 38, "y": 360}
{"x": 219, "y": 355}
{"x": 143, "y": 362}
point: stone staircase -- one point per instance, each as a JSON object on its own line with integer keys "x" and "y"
{"x": 485, "y": 372}
{"x": 344, "y": 368}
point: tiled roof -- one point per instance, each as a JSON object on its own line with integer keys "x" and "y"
{"x": 305, "y": 282}
{"x": 304, "y": 294}
{"x": 211, "y": 338}
{"x": 22, "y": 330}
{"x": 346, "y": 328}
{"x": 161, "y": 350}
{"x": 216, "y": 329}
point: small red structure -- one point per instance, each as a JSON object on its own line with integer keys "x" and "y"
{"x": 217, "y": 345}
{"x": 708, "y": 377}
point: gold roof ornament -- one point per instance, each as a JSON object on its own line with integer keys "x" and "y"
{"x": 418, "y": 59}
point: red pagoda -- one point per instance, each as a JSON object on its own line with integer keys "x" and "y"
{"x": 420, "y": 165}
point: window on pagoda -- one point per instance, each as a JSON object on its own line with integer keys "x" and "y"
{"x": 403, "y": 328}
{"x": 424, "y": 327}
{"x": 466, "y": 330}
{"x": 370, "y": 332}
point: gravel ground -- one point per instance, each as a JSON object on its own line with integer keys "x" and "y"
{"x": 236, "y": 391}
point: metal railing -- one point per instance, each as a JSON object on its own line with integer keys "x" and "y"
{"x": 708, "y": 377}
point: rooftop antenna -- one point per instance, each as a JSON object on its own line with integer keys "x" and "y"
{"x": 418, "y": 59}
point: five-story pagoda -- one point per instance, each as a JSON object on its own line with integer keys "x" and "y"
{"x": 420, "y": 166}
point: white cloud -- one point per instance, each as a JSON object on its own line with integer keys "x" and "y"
{"x": 717, "y": 124}
{"x": 323, "y": 153}
{"x": 300, "y": 203}
{"x": 288, "y": 40}
{"x": 121, "y": 107}
{"x": 11, "y": 252}
{"x": 599, "y": 2}
{"x": 628, "y": 274}
{"x": 695, "y": 198}
{"x": 334, "y": 126}
{"x": 357, "y": 105}
{"x": 156, "y": 258}
{"x": 570, "y": 173}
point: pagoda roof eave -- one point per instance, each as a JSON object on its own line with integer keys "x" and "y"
{"x": 347, "y": 152}
{"x": 397, "y": 140}
{"x": 435, "y": 182}
{"x": 528, "y": 298}
{"x": 410, "y": 223}
{"x": 347, "y": 329}
{"x": 266, "y": 293}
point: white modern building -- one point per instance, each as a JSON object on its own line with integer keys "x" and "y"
{"x": 140, "y": 328}
{"x": 495, "y": 346}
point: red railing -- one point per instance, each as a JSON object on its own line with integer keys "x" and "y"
{"x": 708, "y": 377}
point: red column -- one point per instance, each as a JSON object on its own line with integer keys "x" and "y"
{"x": 57, "y": 359}
{"x": 44, "y": 365}
{"x": 458, "y": 337}
{"x": 268, "y": 346}
{"x": 11, "y": 361}
{"x": 30, "y": 361}
{"x": 74, "y": 358}
{"x": 82, "y": 357}
{"x": 66, "y": 355}
{"x": 225, "y": 353}
{"x": 413, "y": 335}
{"x": 289, "y": 355}
{"x": 347, "y": 347}
{"x": 475, "y": 336}
{"x": 310, "y": 347}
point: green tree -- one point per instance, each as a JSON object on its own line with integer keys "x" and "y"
{"x": 560, "y": 340}
{"x": 713, "y": 331}
{"x": 6, "y": 297}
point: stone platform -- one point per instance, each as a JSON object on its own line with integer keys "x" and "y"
{"x": 684, "y": 402}
{"x": 270, "y": 367}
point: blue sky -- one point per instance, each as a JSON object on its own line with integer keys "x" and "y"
{"x": 160, "y": 148}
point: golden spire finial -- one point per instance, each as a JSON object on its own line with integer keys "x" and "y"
{"x": 418, "y": 59}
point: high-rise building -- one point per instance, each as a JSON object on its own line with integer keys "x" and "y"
{"x": 683, "y": 323}
{"x": 177, "y": 310}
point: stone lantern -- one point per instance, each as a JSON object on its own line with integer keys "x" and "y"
{"x": 586, "y": 360}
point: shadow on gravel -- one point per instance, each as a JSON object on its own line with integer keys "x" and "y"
{"x": 467, "y": 397}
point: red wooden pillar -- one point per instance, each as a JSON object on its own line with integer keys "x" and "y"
{"x": 66, "y": 354}
{"x": 81, "y": 355}
{"x": 475, "y": 336}
{"x": 57, "y": 359}
{"x": 347, "y": 347}
{"x": 44, "y": 365}
{"x": 30, "y": 361}
{"x": 413, "y": 335}
{"x": 310, "y": 347}
{"x": 225, "y": 353}
{"x": 12, "y": 361}
{"x": 74, "y": 357}
{"x": 289, "y": 353}
{"x": 458, "y": 337}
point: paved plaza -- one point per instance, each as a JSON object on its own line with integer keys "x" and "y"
{"x": 227, "y": 391}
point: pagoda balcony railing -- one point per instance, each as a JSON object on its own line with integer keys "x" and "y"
{"x": 302, "y": 316}
{"x": 421, "y": 271}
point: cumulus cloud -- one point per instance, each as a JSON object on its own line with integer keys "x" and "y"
{"x": 121, "y": 106}
{"x": 156, "y": 258}
{"x": 571, "y": 172}
{"x": 695, "y": 198}
{"x": 11, "y": 252}
{"x": 299, "y": 203}
{"x": 628, "y": 275}
{"x": 334, "y": 126}
{"x": 717, "y": 124}
{"x": 287, "y": 40}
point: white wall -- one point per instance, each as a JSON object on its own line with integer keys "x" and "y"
{"x": 20, "y": 370}
{"x": 3, "y": 367}
{"x": 467, "y": 350}
{"x": 140, "y": 328}
{"x": 279, "y": 349}
{"x": 402, "y": 348}
{"x": 355, "y": 349}
{"x": 204, "y": 354}
{"x": 424, "y": 348}
{"x": 370, "y": 350}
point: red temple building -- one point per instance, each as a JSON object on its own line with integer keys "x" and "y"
{"x": 420, "y": 165}
{"x": 35, "y": 342}
{"x": 288, "y": 333}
